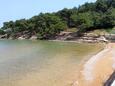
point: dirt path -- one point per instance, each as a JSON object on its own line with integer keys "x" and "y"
{"x": 97, "y": 69}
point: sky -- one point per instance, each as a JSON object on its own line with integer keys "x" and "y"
{"x": 18, "y": 9}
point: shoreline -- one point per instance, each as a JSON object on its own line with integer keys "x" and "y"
{"x": 91, "y": 72}
{"x": 64, "y": 37}
{"x": 69, "y": 41}
{"x": 73, "y": 41}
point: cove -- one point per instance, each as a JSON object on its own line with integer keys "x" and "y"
{"x": 42, "y": 63}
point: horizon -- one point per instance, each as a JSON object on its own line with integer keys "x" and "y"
{"x": 15, "y": 10}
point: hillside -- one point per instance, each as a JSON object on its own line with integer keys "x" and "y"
{"x": 85, "y": 18}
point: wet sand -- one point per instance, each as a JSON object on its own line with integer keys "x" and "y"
{"x": 97, "y": 70}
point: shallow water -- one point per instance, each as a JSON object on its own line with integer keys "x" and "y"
{"x": 41, "y": 63}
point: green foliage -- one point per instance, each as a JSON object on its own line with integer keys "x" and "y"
{"x": 66, "y": 14}
{"x": 49, "y": 25}
{"x": 20, "y": 25}
{"x": 89, "y": 16}
{"x": 111, "y": 30}
{"x": 86, "y": 7}
{"x": 2, "y": 32}
{"x": 44, "y": 26}
{"x": 101, "y": 6}
{"x": 83, "y": 20}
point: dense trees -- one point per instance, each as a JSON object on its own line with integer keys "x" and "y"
{"x": 2, "y": 32}
{"x": 101, "y": 6}
{"x": 48, "y": 25}
{"x": 89, "y": 16}
{"x": 83, "y": 20}
{"x": 44, "y": 25}
{"x": 65, "y": 15}
{"x": 100, "y": 14}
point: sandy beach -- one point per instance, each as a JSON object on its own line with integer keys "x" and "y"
{"x": 98, "y": 68}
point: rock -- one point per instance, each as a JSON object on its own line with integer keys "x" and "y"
{"x": 102, "y": 38}
{"x": 63, "y": 33}
{"x": 33, "y": 38}
{"x": 11, "y": 38}
{"x": 21, "y": 38}
{"x": 69, "y": 37}
{"x": 3, "y": 36}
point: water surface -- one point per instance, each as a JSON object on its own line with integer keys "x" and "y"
{"x": 41, "y": 63}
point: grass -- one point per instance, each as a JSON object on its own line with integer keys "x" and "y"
{"x": 111, "y": 30}
{"x": 103, "y": 31}
{"x": 71, "y": 30}
{"x": 97, "y": 32}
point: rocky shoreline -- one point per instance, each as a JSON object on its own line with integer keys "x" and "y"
{"x": 66, "y": 36}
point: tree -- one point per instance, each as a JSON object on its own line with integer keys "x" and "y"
{"x": 86, "y": 7}
{"x": 83, "y": 21}
{"x": 109, "y": 18}
{"x": 97, "y": 18}
{"x": 21, "y": 25}
{"x": 7, "y": 25}
{"x": 49, "y": 25}
{"x": 2, "y": 32}
{"x": 65, "y": 15}
{"x": 101, "y": 6}
{"x": 111, "y": 3}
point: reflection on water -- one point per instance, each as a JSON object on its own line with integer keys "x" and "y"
{"x": 41, "y": 63}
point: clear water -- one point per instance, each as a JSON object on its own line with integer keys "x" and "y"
{"x": 41, "y": 63}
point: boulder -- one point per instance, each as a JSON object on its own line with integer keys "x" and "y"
{"x": 34, "y": 38}
{"x": 102, "y": 38}
{"x": 21, "y": 38}
{"x": 3, "y": 36}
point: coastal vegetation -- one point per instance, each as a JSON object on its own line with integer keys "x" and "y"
{"x": 87, "y": 17}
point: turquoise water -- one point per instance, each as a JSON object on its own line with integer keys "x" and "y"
{"x": 41, "y": 63}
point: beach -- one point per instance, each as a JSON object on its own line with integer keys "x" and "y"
{"x": 98, "y": 68}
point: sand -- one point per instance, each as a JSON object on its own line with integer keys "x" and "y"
{"x": 98, "y": 68}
